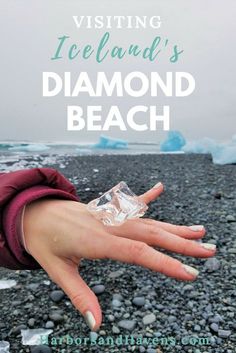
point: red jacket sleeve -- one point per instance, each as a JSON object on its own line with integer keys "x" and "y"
{"x": 16, "y": 190}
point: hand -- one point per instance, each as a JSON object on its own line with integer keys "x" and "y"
{"x": 59, "y": 233}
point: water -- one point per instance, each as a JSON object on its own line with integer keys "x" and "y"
{"x": 29, "y": 149}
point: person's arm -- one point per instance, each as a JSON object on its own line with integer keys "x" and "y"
{"x": 17, "y": 189}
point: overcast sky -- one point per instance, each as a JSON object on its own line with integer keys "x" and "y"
{"x": 29, "y": 30}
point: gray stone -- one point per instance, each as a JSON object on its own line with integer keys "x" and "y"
{"x": 56, "y": 317}
{"x": 111, "y": 318}
{"x": 139, "y": 301}
{"x": 127, "y": 324}
{"x": 116, "y": 274}
{"x": 214, "y": 327}
{"x": 115, "y": 329}
{"x": 18, "y": 328}
{"x": 188, "y": 287}
{"x": 31, "y": 322}
{"x": 224, "y": 333}
{"x": 212, "y": 264}
{"x": 116, "y": 303}
{"x": 149, "y": 319}
{"x": 49, "y": 324}
{"x": 98, "y": 289}
{"x": 57, "y": 295}
{"x": 197, "y": 328}
{"x": 117, "y": 296}
{"x": 230, "y": 218}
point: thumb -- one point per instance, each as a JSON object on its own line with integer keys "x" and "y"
{"x": 66, "y": 275}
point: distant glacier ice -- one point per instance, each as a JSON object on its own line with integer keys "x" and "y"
{"x": 174, "y": 142}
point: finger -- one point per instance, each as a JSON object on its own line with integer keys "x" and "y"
{"x": 65, "y": 274}
{"x": 139, "y": 253}
{"x": 152, "y": 234}
{"x": 189, "y": 232}
{"x": 152, "y": 194}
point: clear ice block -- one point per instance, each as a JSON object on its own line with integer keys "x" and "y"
{"x": 117, "y": 205}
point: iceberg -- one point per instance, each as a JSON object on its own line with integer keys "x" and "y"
{"x": 110, "y": 143}
{"x": 34, "y": 147}
{"x": 205, "y": 145}
{"x": 174, "y": 142}
{"x": 222, "y": 153}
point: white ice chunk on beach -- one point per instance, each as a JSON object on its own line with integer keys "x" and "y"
{"x": 205, "y": 145}
{"x": 174, "y": 142}
{"x": 117, "y": 205}
{"x": 222, "y": 153}
{"x": 4, "y": 347}
{"x": 110, "y": 143}
{"x": 7, "y": 283}
{"x": 34, "y": 337}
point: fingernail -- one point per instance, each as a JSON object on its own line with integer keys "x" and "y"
{"x": 157, "y": 185}
{"x": 191, "y": 270}
{"x": 196, "y": 228}
{"x": 208, "y": 246}
{"x": 90, "y": 320}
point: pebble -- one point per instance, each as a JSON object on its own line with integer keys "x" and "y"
{"x": 212, "y": 264}
{"x": 188, "y": 287}
{"x": 224, "y": 333}
{"x": 57, "y": 295}
{"x": 18, "y": 328}
{"x": 151, "y": 350}
{"x": 116, "y": 274}
{"x": 117, "y": 296}
{"x": 111, "y": 318}
{"x": 139, "y": 301}
{"x": 127, "y": 324}
{"x": 149, "y": 319}
{"x": 116, "y": 303}
{"x": 230, "y": 218}
{"x": 98, "y": 289}
{"x": 93, "y": 336}
{"x": 31, "y": 322}
{"x": 41, "y": 349}
{"x": 56, "y": 317}
{"x": 49, "y": 324}
{"x": 214, "y": 327}
{"x": 115, "y": 329}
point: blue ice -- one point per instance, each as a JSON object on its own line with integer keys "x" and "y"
{"x": 174, "y": 142}
{"x": 222, "y": 153}
{"x": 110, "y": 143}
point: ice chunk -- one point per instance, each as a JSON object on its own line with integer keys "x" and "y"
{"x": 174, "y": 142}
{"x": 7, "y": 283}
{"x": 34, "y": 337}
{"x": 205, "y": 145}
{"x": 117, "y": 205}
{"x": 34, "y": 147}
{"x": 224, "y": 154}
{"x": 4, "y": 347}
{"x": 110, "y": 143}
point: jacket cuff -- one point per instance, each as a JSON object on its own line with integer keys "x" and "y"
{"x": 12, "y": 221}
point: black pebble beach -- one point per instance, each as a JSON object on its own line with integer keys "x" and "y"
{"x": 199, "y": 316}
